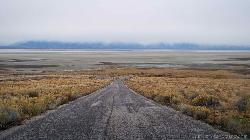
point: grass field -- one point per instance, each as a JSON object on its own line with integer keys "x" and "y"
{"x": 218, "y": 97}
{"x": 22, "y": 97}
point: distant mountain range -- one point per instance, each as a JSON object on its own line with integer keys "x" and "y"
{"x": 100, "y": 45}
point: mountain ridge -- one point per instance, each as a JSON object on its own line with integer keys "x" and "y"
{"x": 118, "y": 45}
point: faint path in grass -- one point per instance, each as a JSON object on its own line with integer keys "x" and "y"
{"x": 114, "y": 112}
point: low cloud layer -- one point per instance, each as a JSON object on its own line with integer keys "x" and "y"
{"x": 197, "y": 21}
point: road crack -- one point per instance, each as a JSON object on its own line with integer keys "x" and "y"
{"x": 109, "y": 118}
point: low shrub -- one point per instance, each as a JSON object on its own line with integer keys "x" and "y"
{"x": 7, "y": 95}
{"x": 200, "y": 113}
{"x": 185, "y": 109}
{"x": 70, "y": 97}
{"x": 161, "y": 99}
{"x": 8, "y": 116}
{"x": 206, "y": 100}
{"x": 192, "y": 95}
{"x": 32, "y": 94}
{"x": 233, "y": 124}
{"x": 31, "y": 107}
{"x": 166, "y": 99}
{"x": 175, "y": 100}
{"x": 243, "y": 104}
{"x": 150, "y": 96}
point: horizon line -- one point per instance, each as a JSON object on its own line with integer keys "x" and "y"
{"x": 128, "y": 42}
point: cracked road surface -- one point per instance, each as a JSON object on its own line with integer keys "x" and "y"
{"x": 114, "y": 112}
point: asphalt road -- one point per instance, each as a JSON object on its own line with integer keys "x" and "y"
{"x": 114, "y": 112}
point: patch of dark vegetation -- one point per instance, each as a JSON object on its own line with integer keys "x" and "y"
{"x": 32, "y": 94}
{"x": 20, "y": 60}
{"x": 243, "y": 104}
{"x": 241, "y": 59}
{"x": 3, "y": 69}
{"x": 217, "y": 66}
{"x": 112, "y": 63}
{"x": 234, "y": 59}
{"x": 207, "y": 66}
{"x": 237, "y": 65}
{"x": 8, "y": 117}
{"x": 205, "y": 100}
{"x": 26, "y": 66}
{"x": 107, "y": 63}
{"x": 222, "y": 60}
{"x": 242, "y": 71}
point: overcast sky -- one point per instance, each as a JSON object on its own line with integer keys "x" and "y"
{"x": 146, "y": 21}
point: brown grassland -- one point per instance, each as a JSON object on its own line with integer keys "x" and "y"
{"x": 22, "y": 97}
{"x": 218, "y": 97}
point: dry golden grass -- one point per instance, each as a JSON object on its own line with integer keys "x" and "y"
{"x": 220, "y": 98}
{"x": 166, "y": 72}
{"x": 26, "y": 96}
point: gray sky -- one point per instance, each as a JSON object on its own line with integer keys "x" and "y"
{"x": 145, "y": 21}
